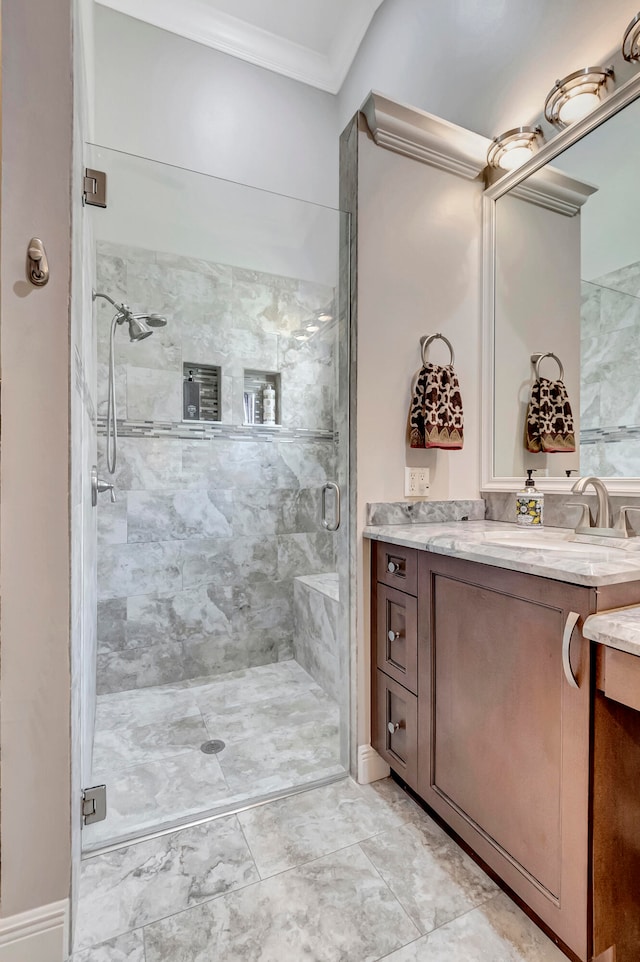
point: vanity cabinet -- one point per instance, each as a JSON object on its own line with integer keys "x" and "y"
{"x": 497, "y": 733}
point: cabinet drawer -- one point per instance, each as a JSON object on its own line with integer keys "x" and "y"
{"x": 395, "y": 727}
{"x": 397, "y": 636}
{"x": 618, "y": 676}
{"x": 397, "y": 567}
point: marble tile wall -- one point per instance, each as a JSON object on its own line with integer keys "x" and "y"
{"x": 198, "y": 555}
{"x": 610, "y": 402}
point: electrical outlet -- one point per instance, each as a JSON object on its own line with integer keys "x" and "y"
{"x": 416, "y": 482}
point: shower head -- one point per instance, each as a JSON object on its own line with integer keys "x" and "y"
{"x": 140, "y": 325}
{"x": 152, "y": 320}
{"x": 138, "y": 330}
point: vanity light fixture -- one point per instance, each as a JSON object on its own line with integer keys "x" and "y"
{"x": 312, "y": 328}
{"x": 577, "y": 95}
{"x": 301, "y": 335}
{"x": 515, "y": 147}
{"x": 631, "y": 42}
{"x": 324, "y": 316}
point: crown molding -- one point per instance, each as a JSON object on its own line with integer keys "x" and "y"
{"x": 553, "y": 190}
{"x": 421, "y": 136}
{"x": 200, "y": 22}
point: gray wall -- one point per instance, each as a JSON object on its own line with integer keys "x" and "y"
{"x": 198, "y": 555}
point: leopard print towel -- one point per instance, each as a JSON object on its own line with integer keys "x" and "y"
{"x": 435, "y": 416}
{"x": 549, "y": 423}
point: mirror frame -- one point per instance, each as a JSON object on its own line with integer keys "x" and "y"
{"x": 617, "y": 101}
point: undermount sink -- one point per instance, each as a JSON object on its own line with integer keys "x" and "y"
{"x": 544, "y": 541}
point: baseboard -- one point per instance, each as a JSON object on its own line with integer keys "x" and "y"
{"x": 39, "y": 935}
{"x": 371, "y": 766}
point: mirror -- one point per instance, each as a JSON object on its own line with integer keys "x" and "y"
{"x": 564, "y": 277}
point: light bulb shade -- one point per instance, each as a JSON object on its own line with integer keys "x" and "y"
{"x": 515, "y": 147}
{"x": 577, "y": 95}
{"x": 631, "y": 41}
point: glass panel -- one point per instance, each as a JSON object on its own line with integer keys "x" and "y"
{"x": 223, "y": 632}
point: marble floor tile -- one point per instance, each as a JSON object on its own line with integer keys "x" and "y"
{"x": 247, "y": 687}
{"x": 496, "y": 932}
{"x": 118, "y": 748}
{"x": 269, "y": 763}
{"x": 144, "y": 706}
{"x": 132, "y": 886}
{"x": 272, "y": 715}
{"x": 141, "y": 798}
{"x": 432, "y": 878}
{"x": 124, "y": 948}
{"x": 281, "y": 731}
{"x": 294, "y": 830}
{"x": 331, "y": 910}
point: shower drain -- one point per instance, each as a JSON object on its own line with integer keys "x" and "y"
{"x": 213, "y": 747}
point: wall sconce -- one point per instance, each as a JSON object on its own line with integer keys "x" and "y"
{"x": 631, "y": 42}
{"x": 515, "y": 147}
{"x": 577, "y": 95}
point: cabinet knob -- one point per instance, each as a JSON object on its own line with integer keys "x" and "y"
{"x": 392, "y": 567}
{"x": 393, "y": 727}
{"x": 394, "y": 635}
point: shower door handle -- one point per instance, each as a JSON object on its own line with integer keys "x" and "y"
{"x": 335, "y": 524}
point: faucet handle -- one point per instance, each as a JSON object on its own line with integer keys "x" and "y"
{"x": 585, "y": 521}
{"x": 622, "y": 525}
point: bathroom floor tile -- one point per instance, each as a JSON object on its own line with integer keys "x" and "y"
{"x": 143, "y": 797}
{"x": 294, "y": 830}
{"x": 428, "y": 873}
{"x": 129, "y": 887}
{"x": 124, "y": 948}
{"x": 330, "y": 910}
{"x": 495, "y": 932}
{"x": 280, "y": 731}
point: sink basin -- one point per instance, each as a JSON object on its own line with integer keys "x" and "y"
{"x": 542, "y": 541}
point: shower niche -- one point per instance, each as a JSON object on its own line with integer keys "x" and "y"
{"x": 261, "y": 398}
{"x": 201, "y": 393}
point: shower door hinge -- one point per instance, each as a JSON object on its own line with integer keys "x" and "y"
{"x": 94, "y": 804}
{"x": 94, "y": 189}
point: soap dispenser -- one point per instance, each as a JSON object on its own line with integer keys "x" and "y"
{"x": 529, "y": 503}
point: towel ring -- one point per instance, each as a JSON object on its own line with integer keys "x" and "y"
{"x": 536, "y": 360}
{"x": 426, "y": 341}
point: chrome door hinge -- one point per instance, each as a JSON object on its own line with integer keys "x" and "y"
{"x": 94, "y": 804}
{"x": 94, "y": 188}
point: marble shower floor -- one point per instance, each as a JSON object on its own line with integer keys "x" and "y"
{"x": 344, "y": 873}
{"x": 279, "y": 727}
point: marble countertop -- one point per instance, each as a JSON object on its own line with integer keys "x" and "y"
{"x": 619, "y": 629}
{"x": 591, "y": 565}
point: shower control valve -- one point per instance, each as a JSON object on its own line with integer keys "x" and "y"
{"x": 98, "y": 486}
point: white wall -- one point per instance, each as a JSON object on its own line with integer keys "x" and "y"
{"x": 419, "y": 271}
{"x": 34, "y": 539}
{"x": 174, "y": 100}
{"x": 484, "y": 64}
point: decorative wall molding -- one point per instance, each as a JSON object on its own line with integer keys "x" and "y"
{"x": 426, "y": 138}
{"x": 553, "y": 190}
{"x": 211, "y": 430}
{"x": 200, "y": 21}
{"x": 39, "y": 935}
{"x": 371, "y": 766}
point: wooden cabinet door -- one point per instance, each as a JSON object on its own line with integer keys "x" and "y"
{"x": 503, "y": 736}
{"x": 396, "y": 636}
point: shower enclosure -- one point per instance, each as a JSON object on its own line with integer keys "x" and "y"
{"x": 216, "y": 671}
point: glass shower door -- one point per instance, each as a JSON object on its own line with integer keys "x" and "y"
{"x": 223, "y": 634}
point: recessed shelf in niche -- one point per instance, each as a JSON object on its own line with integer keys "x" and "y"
{"x": 254, "y": 385}
{"x": 205, "y": 406}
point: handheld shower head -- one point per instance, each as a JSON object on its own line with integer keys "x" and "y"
{"x": 138, "y": 330}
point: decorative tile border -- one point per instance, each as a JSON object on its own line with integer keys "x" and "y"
{"x": 609, "y": 435}
{"x": 210, "y": 431}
